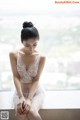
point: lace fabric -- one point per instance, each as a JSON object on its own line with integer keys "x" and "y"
{"x": 27, "y": 75}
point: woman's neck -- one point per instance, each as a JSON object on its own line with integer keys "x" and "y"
{"x": 27, "y": 52}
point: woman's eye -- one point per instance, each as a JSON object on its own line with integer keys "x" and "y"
{"x": 27, "y": 46}
{"x": 34, "y": 45}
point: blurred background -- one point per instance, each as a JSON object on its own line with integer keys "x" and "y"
{"x": 59, "y": 28}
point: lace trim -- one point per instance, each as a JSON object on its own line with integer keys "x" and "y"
{"x": 27, "y": 75}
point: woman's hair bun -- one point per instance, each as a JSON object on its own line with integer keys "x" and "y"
{"x": 27, "y": 24}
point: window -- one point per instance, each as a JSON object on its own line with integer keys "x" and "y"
{"x": 59, "y": 40}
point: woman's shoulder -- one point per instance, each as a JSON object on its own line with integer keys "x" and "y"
{"x": 42, "y": 57}
{"x": 13, "y": 54}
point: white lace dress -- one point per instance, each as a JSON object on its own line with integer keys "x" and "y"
{"x": 26, "y": 77}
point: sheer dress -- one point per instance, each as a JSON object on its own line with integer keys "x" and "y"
{"x": 26, "y": 76}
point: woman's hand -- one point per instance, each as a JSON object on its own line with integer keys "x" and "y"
{"x": 26, "y": 106}
{"x": 20, "y": 105}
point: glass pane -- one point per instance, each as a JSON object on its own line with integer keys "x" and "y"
{"x": 59, "y": 41}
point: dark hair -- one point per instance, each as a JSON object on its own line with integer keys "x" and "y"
{"x": 29, "y": 31}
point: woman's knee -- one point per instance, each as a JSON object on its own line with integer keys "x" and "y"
{"x": 33, "y": 112}
{"x": 19, "y": 116}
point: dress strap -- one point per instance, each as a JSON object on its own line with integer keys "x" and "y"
{"x": 18, "y": 57}
{"x": 38, "y": 59}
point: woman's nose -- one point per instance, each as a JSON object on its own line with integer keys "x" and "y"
{"x": 31, "y": 48}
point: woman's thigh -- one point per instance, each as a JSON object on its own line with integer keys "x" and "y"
{"x": 37, "y": 101}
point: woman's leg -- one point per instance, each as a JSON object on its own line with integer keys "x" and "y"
{"x": 19, "y": 116}
{"x": 34, "y": 115}
{"x": 37, "y": 102}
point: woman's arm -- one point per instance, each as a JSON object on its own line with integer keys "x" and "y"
{"x": 36, "y": 79}
{"x": 16, "y": 77}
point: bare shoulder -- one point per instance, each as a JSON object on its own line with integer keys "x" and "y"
{"x": 42, "y": 58}
{"x": 13, "y": 54}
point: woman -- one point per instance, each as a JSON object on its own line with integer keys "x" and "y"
{"x": 27, "y": 65}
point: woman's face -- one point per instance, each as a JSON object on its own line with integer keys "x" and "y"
{"x": 30, "y": 44}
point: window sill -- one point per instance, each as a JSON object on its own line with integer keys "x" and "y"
{"x": 53, "y": 100}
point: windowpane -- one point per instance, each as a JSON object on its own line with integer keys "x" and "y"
{"x": 59, "y": 41}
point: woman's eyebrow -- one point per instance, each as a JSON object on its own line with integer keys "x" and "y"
{"x": 35, "y": 43}
{"x": 26, "y": 44}
{"x": 29, "y": 44}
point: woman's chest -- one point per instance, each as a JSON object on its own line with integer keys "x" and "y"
{"x": 30, "y": 71}
{"x": 28, "y": 61}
